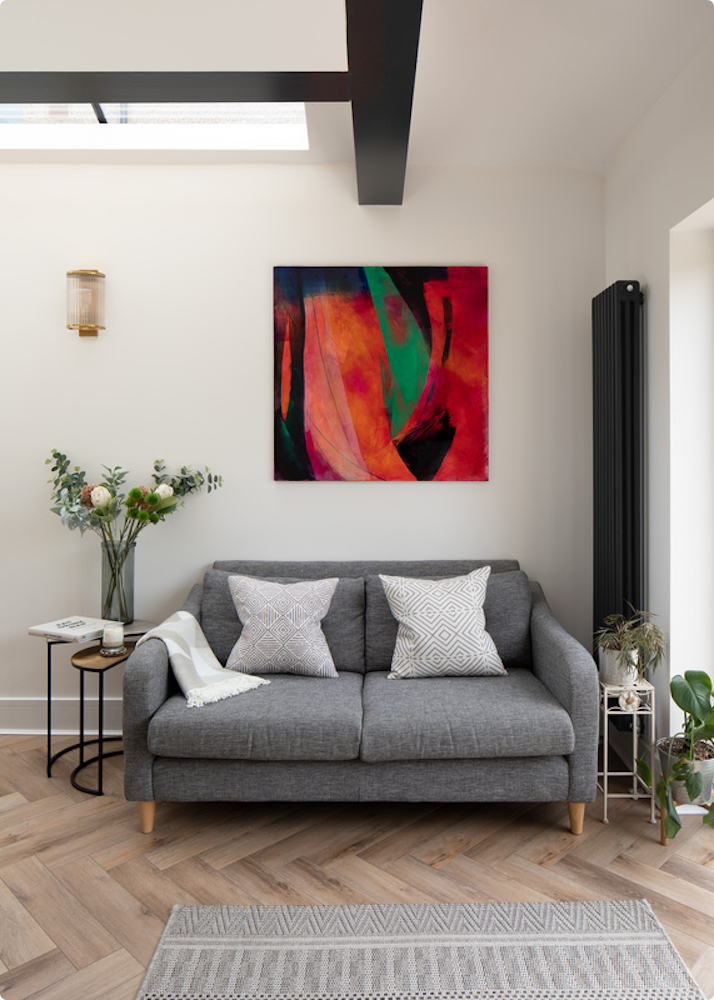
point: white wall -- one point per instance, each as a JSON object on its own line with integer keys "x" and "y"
{"x": 692, "y": 431}
{"x": 184, "y": 372}
{"x": 664, "y": 172}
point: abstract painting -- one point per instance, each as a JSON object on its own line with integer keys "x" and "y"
{"x": 381, "y": 373}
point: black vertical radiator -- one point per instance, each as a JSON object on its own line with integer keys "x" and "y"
{"x": 619, "y": 502}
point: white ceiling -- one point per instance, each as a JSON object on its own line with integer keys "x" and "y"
{"x": 172, "y": 35}
{"x": 522, "y": 82}
{"x": 551, "y": 82}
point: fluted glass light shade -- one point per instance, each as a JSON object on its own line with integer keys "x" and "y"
{"x": 85, "y": 302}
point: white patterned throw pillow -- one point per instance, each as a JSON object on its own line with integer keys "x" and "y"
{"x": 442, "y": 626}
{"x": 281, "y": 627}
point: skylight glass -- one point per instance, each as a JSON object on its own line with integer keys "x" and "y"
{"x": 153, "y": 126}
{"x": 47, "y": 114}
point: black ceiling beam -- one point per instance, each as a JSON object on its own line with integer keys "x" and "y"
{"x": 382, "y": 46}
{"x": 149, "y": 88}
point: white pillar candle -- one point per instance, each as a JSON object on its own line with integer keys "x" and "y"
{"x": 113, "y": 636}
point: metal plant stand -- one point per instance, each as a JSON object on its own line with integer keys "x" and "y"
{"x": 636, "y": 701}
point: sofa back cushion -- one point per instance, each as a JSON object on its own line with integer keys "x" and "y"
{"x": 359, "y": 626}
{"x": 343, "y": 625}
{"x": 317, "y": 569}
{"x": 507, "y": 608}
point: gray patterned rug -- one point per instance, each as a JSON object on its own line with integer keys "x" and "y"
{"x": 491, "y": 951}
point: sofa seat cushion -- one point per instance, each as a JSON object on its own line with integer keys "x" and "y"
{"x": 439, "y": 718}
{"x": 292, "y": 718}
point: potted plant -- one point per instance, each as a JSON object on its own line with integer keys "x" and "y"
{"x": 627, "y": 646}
{"x": 118, "y": 517}
{"x": 687, "y": 758}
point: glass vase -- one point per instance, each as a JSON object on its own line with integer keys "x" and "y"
{"x": 118, "y": 582}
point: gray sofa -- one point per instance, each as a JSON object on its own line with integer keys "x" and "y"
{"x": 528, "y": 736}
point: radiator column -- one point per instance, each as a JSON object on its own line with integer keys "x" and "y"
{"x": 619, "y": 502}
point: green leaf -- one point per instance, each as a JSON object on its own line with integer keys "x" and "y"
{"x": 166, "y": 506}
{"x": 693, "y": 784}
{"x": 692, "y": 693}
{"x": 644, "y": 769}
{"x": 672, "y": 822}
{"x": 672, "y": 825}
{"x": 706, "y": 730}
{"x": 661, "y": 791}
{"x": 681, "y": 769}
{"x": 708, "y": 817}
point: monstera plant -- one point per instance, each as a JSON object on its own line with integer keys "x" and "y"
{"x": 687, "y": 758}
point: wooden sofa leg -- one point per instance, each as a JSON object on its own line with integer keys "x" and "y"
{"x": 576, "y": 811}
{"x": 147, "y": 811}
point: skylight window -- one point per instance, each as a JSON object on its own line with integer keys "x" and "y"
{"x": 259, "y": 126}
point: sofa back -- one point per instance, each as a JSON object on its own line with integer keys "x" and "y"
{"x": 359, "y": 627}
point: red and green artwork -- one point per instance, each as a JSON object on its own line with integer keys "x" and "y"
{"x": 381, "y": 373}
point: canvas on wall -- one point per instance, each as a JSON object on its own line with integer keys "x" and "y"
{"x": 381, "y": 373}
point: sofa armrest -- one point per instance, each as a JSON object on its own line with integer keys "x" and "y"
{"x": 148, "y": 682}
{"x": 569, "y": 672}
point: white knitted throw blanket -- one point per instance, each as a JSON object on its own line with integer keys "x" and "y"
{"x": 199, "y": 674}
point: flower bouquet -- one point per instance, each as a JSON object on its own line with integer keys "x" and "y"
{"x": 99, "y": 507}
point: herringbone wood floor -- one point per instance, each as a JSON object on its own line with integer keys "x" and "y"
{"x": 84, "y": 896}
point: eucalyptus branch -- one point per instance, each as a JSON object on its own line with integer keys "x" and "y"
{"x": 98, "y": 506}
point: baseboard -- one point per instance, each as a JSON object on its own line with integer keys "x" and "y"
{"x": 29, "y": 715}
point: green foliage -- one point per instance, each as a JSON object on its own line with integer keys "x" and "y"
{"x": 186, "y": 481}
{"x": 67, "y": 486}
{"x": 633, "y": 633}
{"x": 692, "y": 693}
{"x": 141, "y": 505}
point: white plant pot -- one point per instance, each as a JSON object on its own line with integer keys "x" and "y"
{"x": 679, "y": 792}
{"x": 613, "y": 672}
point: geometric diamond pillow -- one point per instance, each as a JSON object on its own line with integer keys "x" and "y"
{"x": 442, "y": 626}
{"x": 281, "y": 627}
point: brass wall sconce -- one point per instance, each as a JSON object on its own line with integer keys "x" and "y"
{"x": 85, "y": 302}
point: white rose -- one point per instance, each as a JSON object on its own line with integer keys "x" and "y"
{"x": 163, "y": 490}
{"x": 100, "y": 496}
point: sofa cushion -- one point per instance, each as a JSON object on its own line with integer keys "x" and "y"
{"x": 343, "y": 625}
{"x": 315, "y": 569}
{"x": 281, "y": 627}
{"x": 507, "y": 608}
{"x": 292, "y": 718}
{"x": 441, "y": 626}
{"x": 437, "y": 718}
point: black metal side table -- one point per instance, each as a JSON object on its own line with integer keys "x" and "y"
{"x": 136, "y": 628}
{"x": 92, "y": 661}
